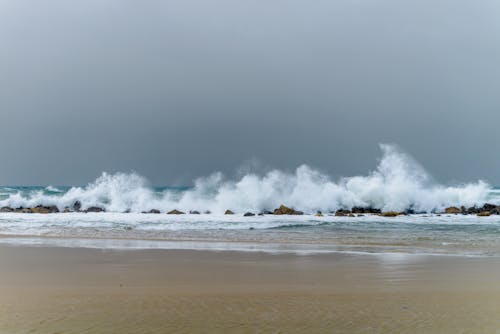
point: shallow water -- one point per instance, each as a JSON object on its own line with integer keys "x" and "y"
{"x": 415, "y": 234}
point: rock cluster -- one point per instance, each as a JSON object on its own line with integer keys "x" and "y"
{"x": 483, "y": 211}
{"x": 361, "y": 210}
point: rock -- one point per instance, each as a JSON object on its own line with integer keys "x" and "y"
{"x": 249, "y": 214}
{"x": 492, "y": 209}
{"x": 390, "y": 214}
{"x": 45, "y": 209}
{"x": 77, "y": 206}
{"x": 488, "y": 207}
{"x": 156, "y": 211}
{"x": 284, "y": 210}
{"x": 175, "y": 212}
{"x": 67, "y": 210}
{"x": 23, "y": 210}
{"x": 484, "y": 214}
{"x": 207, "y": 212}
{"x": 358, "y": 209}
{"x": 319, "y": 214}
{"x": 361, "y": 215}
{"x": 351, "y": 215}
{"x": 194, "y": 212}
{"x": 343, "y": 212}
{"x": 473, "y": 210}
{"x": 452, "y": 210}
{"x": 95, "y": 209}
{"x": 39, "y": 209}
{"x": 229, "y": 212}
{"x": 6, "y": 209}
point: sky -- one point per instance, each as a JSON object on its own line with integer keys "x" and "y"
{"x": 176, "y": 89}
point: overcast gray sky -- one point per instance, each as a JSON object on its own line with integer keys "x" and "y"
{"x": 175, "y": 89}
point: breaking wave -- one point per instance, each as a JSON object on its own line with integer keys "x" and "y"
{"x": 398, "y": 183}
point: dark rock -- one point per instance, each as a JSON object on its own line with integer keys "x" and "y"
{"x": 319, "y": 214}
{"x": 358, "y": 209}
{"x": 194, "y": 212}
{"x": 495, "y": 211}
{"x": 175, "y": 212}
{"x": 284, "y": 210}
{"x": 67, "y": 210}
{"x": 154, "y": 211}
{"x": 488, "y": 207}
{"x": 473, "y": 210}
{"x": 492, "y": 209}
{"x": 6, "y": 209}
{"x": 23, "y": 210}
{"x": 95, "y": 209}
{"x": 342, "y": 212}
{"x": 229, "y": 212}
{"x": 77, "y": 206}
{"x": 207, "y": 212}
{"x": 249, "y": 214}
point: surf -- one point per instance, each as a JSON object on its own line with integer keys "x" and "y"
{"x": 398, "y": 183}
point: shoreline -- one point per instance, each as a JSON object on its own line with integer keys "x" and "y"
{"x": 53, "y": 289}
{"x": 137, "y": 244}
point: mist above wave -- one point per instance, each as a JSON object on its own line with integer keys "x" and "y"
{"x": 398, "y": 183}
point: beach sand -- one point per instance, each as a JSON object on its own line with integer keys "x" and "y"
{"x": 70, "y": 290}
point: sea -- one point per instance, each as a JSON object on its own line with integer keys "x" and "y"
{"x": 398, "y": 183}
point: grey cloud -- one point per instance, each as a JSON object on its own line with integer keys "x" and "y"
{"x": 178, "y": 89}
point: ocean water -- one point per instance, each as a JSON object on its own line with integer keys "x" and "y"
{"x": 398, "y": 183}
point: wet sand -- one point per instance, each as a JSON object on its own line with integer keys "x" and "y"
{"x": 70, "y": 290}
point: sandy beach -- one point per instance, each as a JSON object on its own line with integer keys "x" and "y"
{"x": 76, "y": 290}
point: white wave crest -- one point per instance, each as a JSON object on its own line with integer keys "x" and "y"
{"x": 398, "y": 183}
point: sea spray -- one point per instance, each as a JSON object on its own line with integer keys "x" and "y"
{"x": 398, "y": 183}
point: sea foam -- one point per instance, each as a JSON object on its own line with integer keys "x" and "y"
{"x": 398, "y": 183}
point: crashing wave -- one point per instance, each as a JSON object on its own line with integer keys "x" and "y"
{"x": 397, "y": 184}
